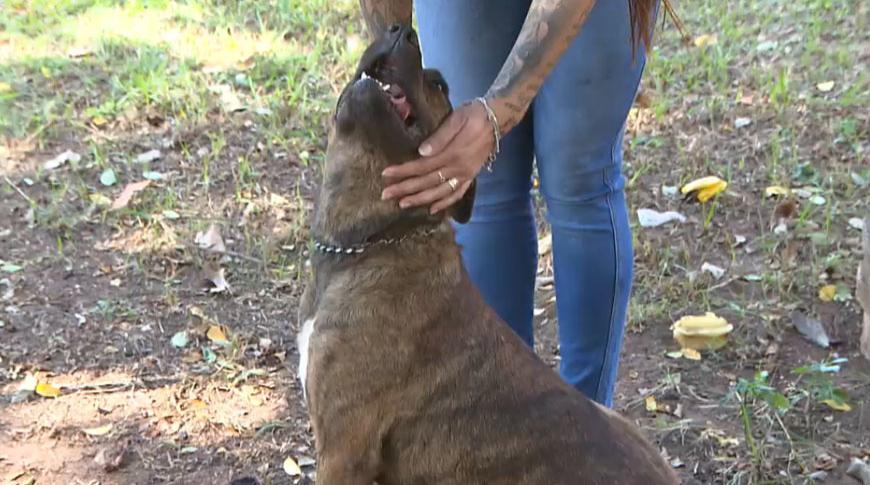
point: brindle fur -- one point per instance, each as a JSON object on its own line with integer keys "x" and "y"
{"x": 412, "y": 378}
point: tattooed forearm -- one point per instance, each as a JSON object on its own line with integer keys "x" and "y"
{"x": 549, "y": 28}
{"x": 380, "y": 14}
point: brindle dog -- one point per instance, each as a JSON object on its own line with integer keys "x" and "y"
{"x": 410, "y": 378}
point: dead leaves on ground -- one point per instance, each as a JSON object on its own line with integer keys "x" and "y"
{"x": 215, "y": 249}
{"x": 811, "y": 329}
{"x": 123, "y": 199}
{"x": 208, "y": 330}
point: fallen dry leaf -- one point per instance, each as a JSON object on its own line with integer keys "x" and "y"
{"x": 111, "y": 457}
{"x": 827, "y": 293}
{"x": 99, "y": 121}
{"x": 837, "y": 405}
{"x": 216, "y": 334}
{"x": 197, "y": 312}
{"x": 56, "y": 162}
{"x": 691, "y": 354}
{"x": 651, "y": 404}
{"x": 825, "y": 461}
{"x": 811, "y": 328}
{"x": 99, "y": 199}
{"x": 192, "y": 357}
{"x": 216, "y": 277}
{"x": 706, "y": 40}
{"x": 825, "y": 87}
{"x": 775, "y": 191}
{"x": 129, "y": 191}
{"x": 210, "y": 240}
{"x": 45, "y": 389}
{"x": 291, "y": 467}
{"x": 99, "y": 430}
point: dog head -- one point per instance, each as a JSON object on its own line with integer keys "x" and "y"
{"x": 389, "y": 107}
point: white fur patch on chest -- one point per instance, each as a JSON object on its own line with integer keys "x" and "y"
{"x": 302, "y": 341}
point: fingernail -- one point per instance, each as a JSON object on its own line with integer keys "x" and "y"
{"x": 384, "y": 195}
{"x": 404, "y": 204}
{"x": 425, "y": 149}
{"x": 387, "y": 172}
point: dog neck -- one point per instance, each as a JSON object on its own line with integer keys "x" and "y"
{"x": 419, "y": 233}
{"x": 350, "y": 214}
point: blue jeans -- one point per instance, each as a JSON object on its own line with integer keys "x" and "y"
{"x": 573, "y": 131}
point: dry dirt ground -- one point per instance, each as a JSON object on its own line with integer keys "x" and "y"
{"x": 161, "y": 379}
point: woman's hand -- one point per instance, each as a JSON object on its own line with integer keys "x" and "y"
{"x": 458, "y": 149}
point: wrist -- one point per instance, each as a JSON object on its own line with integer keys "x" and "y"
{"x": 507, "y": 111}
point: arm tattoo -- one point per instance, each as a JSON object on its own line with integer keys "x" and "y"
{"x": 380, "y": 14}
{"x": 548, "y": 30}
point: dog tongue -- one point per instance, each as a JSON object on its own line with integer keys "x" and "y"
{"x": 400, "y": 102}
{"x": 402, "y": 106}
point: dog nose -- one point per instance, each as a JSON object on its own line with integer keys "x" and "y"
{"x": 404, "y": 33}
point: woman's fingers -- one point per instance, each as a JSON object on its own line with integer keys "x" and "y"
{"x": 451, "y": 199}
{"x": 415, "y": 184}
{"x": 457, "y": 150}
{"x": 414, "y": 168}
{"x": 444, "y": 134}
{"x": 427, "y": 197}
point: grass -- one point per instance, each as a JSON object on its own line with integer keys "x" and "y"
{"x": 111, "y": 80}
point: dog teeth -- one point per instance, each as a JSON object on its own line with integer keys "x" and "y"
{"x": 365, "y": 75}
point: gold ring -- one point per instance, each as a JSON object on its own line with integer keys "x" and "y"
{"x": 453, "y": 183}
{"x": 441, "y": 177}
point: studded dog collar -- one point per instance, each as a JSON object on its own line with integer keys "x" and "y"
{"x": 361, "y": 248}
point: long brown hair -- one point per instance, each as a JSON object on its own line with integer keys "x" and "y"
{"x": 642, "y": 14}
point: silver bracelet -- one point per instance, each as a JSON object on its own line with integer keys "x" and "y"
{"x": 496, "y": 132}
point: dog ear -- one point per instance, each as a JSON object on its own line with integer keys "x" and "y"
{"x": 461, "y": 210}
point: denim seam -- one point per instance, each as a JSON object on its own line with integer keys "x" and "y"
{"x": 613, "y": 150}
{"x": 607, "y": 349}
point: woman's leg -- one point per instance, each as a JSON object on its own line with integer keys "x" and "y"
{"x": 468, "y": 40}
{"x": 579, "y": 116}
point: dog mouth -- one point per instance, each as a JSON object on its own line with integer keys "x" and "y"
{"x": 384, "y": 77}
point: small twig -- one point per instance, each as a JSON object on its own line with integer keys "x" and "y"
{"x": 118, "y": 386}
{"x": 724, "y": 283}
{"x": 20, "y": 192}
